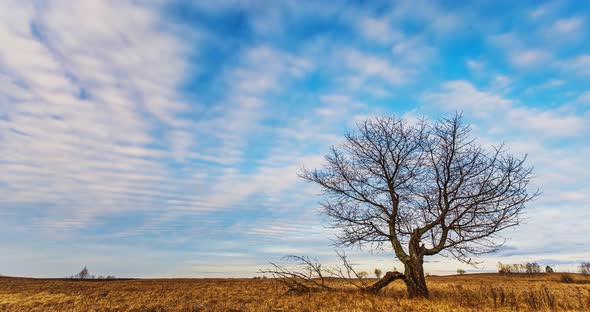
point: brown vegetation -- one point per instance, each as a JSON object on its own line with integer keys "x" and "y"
{"x": 469, "y": 292}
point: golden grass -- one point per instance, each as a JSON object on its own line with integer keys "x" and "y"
{"x": 472, "y": 292}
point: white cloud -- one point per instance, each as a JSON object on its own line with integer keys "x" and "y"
{"x": 553, "y": 83}
{"x": 369, "y": 66}
{"x": 507, "y": 41}
{"x": 336, "y": 106}
{"x": 414, "y": 51}
{"x": 500, "y": 83}
{"x": 507, "y": 115}
{"x": 263, "y": 71}
{"x": 528, "y": 58}
{"x": 547, "y": 122}
{"x": 568, "y": 27}
{"x": 519, "y": 52}
{"x": 462, "y": 95}
{"x": 476, "y": 65}
{"x": 543, "y": 11}
{"x": 81, "y": 108}
{"x": 407, "y": 50}
{"x": 584, "y": 98}
{"x": 439, "y": 20}
{"x": 579, "y": 65}
{"x": 379, "y": 30}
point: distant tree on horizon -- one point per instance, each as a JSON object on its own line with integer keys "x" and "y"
{"x": 83, "y": 274}
{"x": 378, "y": 273}
{"x": 549, "y": 269}
{"x": 585, "y": 268}
{"x": 420, "y": 189}
{"x": 532, "y": 267}
{"x": 461, "y": 271}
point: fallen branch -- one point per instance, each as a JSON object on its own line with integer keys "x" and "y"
{"x": 307, "y": 275}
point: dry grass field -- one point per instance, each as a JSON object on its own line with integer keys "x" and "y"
{"x": 471, "y": 292}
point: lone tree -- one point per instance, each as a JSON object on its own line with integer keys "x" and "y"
{"x": 420, "y": 189}
{"x": 378, "y": 273}
{"x": 84, "y": 274}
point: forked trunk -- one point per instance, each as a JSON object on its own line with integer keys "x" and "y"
{"x": 413, "y": 274}
{"x": 414, "y": 269}
{"x": 413, "y": 277}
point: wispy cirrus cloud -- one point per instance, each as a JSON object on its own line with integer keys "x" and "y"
{"x": 81, "y": 129}
{"x": 367, "y": 66}
{"x": 507, "y": 113}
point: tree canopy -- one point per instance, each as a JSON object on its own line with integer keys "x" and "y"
{"x": 421, "y": 189}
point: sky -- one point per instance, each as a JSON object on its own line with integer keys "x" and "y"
{"x": 163, "y": 138}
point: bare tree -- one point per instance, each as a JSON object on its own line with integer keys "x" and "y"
{"x": 503, "y": 268}
{"x": 83, "y": 274}
{"x": 532, "y": 268}
{"x": 420, "y": 189}
{"x": 585, "y": 268}
{"x": 378, "y": 273}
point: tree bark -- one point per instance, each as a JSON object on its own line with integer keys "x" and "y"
{"x": 414, "y": 279}
{"x": 414, "y": 269}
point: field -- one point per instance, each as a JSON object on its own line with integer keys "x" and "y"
{"x": 470, "y": 292}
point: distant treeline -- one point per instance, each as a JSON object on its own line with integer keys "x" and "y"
{"x": 528, "y": 267}
{"x": 534, "y": 267}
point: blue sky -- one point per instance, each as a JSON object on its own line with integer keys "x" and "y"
{"x": 161, "y": 139}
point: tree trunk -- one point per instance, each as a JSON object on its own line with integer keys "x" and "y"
{"x": 414, "y": 279}
{"x": 414, "y": 269}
